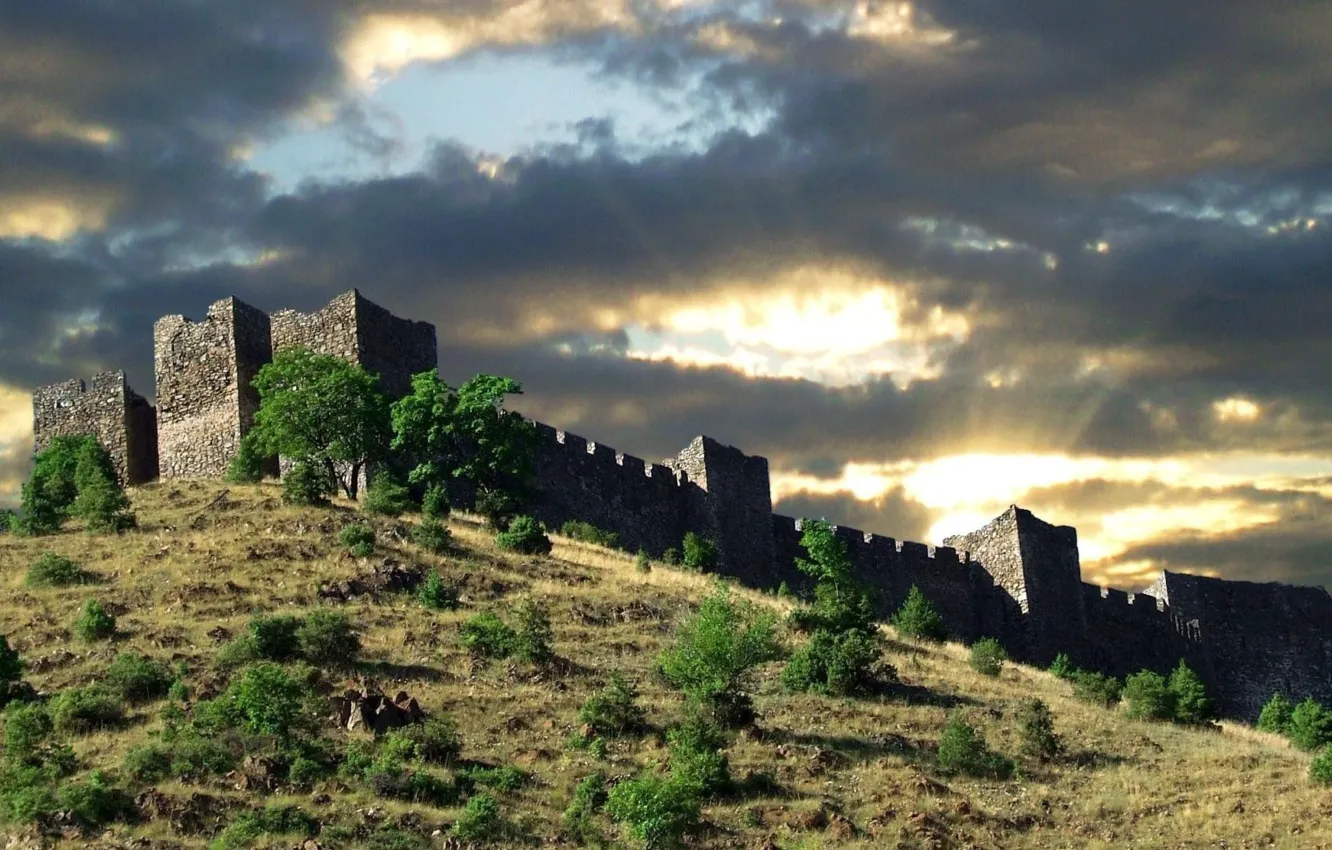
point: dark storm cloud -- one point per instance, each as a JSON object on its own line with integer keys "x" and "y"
{"x": 892, "y": 515}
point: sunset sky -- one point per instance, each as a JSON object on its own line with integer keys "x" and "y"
{"x": 929, "y": 258}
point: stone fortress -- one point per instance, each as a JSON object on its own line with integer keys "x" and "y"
{"x": 1017, "y": 579}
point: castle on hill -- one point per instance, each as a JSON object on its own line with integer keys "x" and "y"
{"x": 1017, "y": 579}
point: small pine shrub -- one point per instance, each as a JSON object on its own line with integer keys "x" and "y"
{"x": 700, "y": 553}
{"x": 327, "y": 638}
{"x": 671, "y": 556}
{"x": 100, "y": 501}
{"x": 307, "y": 484}
{"x": 52, "y": 570}
{"x": 1320, "y": 769}
{"x": 642, "y": 563}
{"x": 1310, "y": 726}
{"x": 838, "y": 664}
{"x": 589, "y": 798}
{"x": 1192, "y": 705}
{"x": 525, "y": 536}
{"x": 247, "y": 466}
{"x": 963, "y": 750}
{"x": 488, "y": 636}
{"x": 359, "y": 540}
{"x": 1275, "y": 716}
{"x": 589, "y": 533}
{"x": 784, "y": 591}
{"x": 437, "y": 595}
{"x": 432, "y": 536}
{"x": 656, "y": 811}
{"x": 80, "y": 710}
{"x": 387, "y": 496}
{"x": 534, "y": 635}
{"x": 615, "y": 709}
{"x": 1148, "y": 696}
{"x": 1062, "y": 667}
{"x": 987, "y": 657}
{"x": 94, "y": 622}
{"x": 917, "y": 618}
{"x": 480, "y": 820}
{"x": 1097, "y": 688}
{"x": 137, "y": 678}
{"x": 698, "y": 757}
{"x": 1036, "y": 724}
{"x": 435, "y": 504}
{"x": 8, "y": 520}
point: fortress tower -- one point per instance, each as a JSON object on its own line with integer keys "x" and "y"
{"x": 124, "y": 423}
{"x": 730, "y": 502}
{"x": 205, "y": 401}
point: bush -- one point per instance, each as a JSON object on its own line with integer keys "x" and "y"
{"x": 838, "y": 664}
{"x": 1275, "y": 716}
{"x": 496, "y": 778}
{"x": 657, "y": 811}
{"x": 671, "y": 556}
{"x": 307, "y": 483}
{"x": 1148, "y": 696}
{"x": 524, "y": 535}
{"x": 94, "y": 622}
{"x": 435, "y": 594}
{"x": 1310, "y": 725}
{"x": 391, "y": 838}
{"x": 534, "y": 635}
{"x": 387, "y": 496}
{"x": 435, "y": 503}
{"x": 52, "y": 570}
{"x": 987, "y": 657}
{"x": 148, "y": 764}
{"x": 263, "y": 700}
{"x": 26, "y": 727}
{"x": 11, "y": 665}
{"x": 1190, "y": 696}
{"x": 137, "y": 678}
{"x": 841, "y": 603}
{"x": 1320, "y": 769}
{"x": 917, "y": 618}
{"x": 714, "y": 652}
{"x": 94, "y": 802}
{"x": 1097, "y": 688}
{"x": 266, "y": 638}
{"x": 700, "y": 553}
{"x": 432, "y": 536}
{"x": 614, "y": 710}
{"x": 328, "y": 638}
{"x": 697, "y": 756}
{"x": 273, "y": 820}
{"x": 589, "y": 533}
{"x": 641, "y": 562}
{"x": 80, "y": 710}
{"x": 436, "y": 741}
{"x": 359, "y": 540}
{"x": 488, "y": 636}
{"x": 589, "y": 798}
{"x": 194, "y": 756}
{"x": 1036, "y": 724}
{"x": 247, "y": 467}
{"x": 1063, "y": 668}
{"x": 963, "y": 750}
{"x": 8, "y": 520}
{"x": 103, "y": 506}
{"x": 480, "y": 820}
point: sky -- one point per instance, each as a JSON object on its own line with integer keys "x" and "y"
{"x": 929, "y": 258}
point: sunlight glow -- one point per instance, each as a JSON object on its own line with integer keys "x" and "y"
{"x": 1236, "y": 409}
{"x": 51, "y": 218}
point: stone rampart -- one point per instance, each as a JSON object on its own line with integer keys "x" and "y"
{"x": 123, "y": 422}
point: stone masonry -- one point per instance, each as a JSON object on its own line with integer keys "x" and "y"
{"x": 1017, "y": 579}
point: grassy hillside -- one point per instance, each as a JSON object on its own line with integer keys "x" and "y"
{"x": 817, "y": 771}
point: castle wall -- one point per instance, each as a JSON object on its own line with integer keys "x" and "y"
{"x": 731, "y": 503}
{"x": 205, "y": 398}
{"x": 120, "y": 419}
{"x": 1128, "y": 632}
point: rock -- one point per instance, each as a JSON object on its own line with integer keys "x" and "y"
{"x": 840, "y": 828}
{"x": 374, "y": 712}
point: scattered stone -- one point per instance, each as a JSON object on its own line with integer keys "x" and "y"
{"x": 374, "y": 712}
{"x": 388, "y": 576}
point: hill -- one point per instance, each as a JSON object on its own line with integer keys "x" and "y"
{"x": 815, "y": 772}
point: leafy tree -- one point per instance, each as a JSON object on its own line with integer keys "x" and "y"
{"x": 59, "y": 471}
{"x": 1310, "y": 725}
{"x": 323, "y": 410}
{"x": 918, "y": 618}
{"x": 465, "y": 434}
{"x": 103, "y": 506}
{"x": 8, "y": 520}
{"x": 1190, "y": 695}
{"x": 700, "y": 553}
{"x": 655, "y": 810}
{"x": 1149, "y": 696}
{"x": 524, "y": 535}
{"x": 1097, "y": 688}
{"x": 837, "y": 663}
{"x": 987, "y": 657}
{"x": 1320, "y": 769}
{"x": 840, "y": 601}
{"x": 1275, "y": 716}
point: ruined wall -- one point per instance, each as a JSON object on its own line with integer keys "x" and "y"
{"x": 121, "y": 420}
{"x": 205, "y": 400}
{"x": 1128, "y": 632}
{"x": 730, "y": 502}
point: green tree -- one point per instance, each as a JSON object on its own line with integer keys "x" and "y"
{"x": 1275, "y": 716}
{"x": 987, "y": 657}
{"x": 322, "y": 410}
{"x": 1190, "y": 695}
{"x": 466, "y": 434}
{"x": 247, "y": 467}
{"x": 840, "y": 601}
{"x": 8, "y": 519}
{"x": 1310, "y": 725}
{"x": 918, "y": 618}
{"x": 1149, "y": 696}
{"x": 48, "y": 495}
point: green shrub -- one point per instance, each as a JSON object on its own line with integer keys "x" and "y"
{"x": 304, "y": 772}
{"x": 8, "y": 520}
{"x": 94, "y": 622}
{"x": 390, "y": 838}
{"x": 94, "y": 801}
{"x": 641, "y": 562}
{"x": 1097, "y": 688}
{"x": 271, "y": 821}
{"x": 589, "y": 533}
{"x": 1320, "y": 768}
{"x": 784, "y": 591}
{"x": 506, "y": 778}
{"x": 80, "y": 710}
{"x": 1062, "y": 668}
{"x": 1275, "y": 716}
{"x": 263, "y": 700}
{"x": 435, "y": 594}
{"x": 103, "y": 507}
{"x": 480, "y": 820}
{"x": 589, "y": 798}
{"x": 655, "y": 810}
{"x": 148, "y": 764}
{"x": 432, "y": 536}
{"x": 11, "y": 665}
{"x": 359, "y": 540}
{"x": 328, "y": 638}
{"x": 697, "y": 756}
{"x": 52, "y": 570}
{"x": 963, "y": 750}
{"x": 436, "y": 741}
{"x": 917, "y": 618}
{"x": 247, "y": 466}
{"x": 841, "y": 603}
{"x": 1148, "y": 696}
{"x": 534, "y": 636}
{"x": 671, "y": 556}
{"x": 1036, "y": 724}
{"x": 524, "y": 535}
{"x": 194, "y": 756}
{"x": 700, "y": 553}
{"x": 714, "y": 652}
{"x": 1190, "y": 696}
{"x": 26, "y": 728}
{"x": 308, "y": 484}
{"x": 265, "y": 638}
{"x": 387, "y": 496}
{"x": 615, "y": 709}
{"x": 838, "y": 664}
{"x": 137, "y": 678}
{"x": 1310, "y": 725}
{"x": 488, "y": 636}
{"x": 987, "y": 657}
{"x": 435, "y": 503}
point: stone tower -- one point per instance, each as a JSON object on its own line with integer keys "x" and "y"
{"x": 121, "y": 420}
{"x": 205, "y": 400}
{"x": 728, "y": 499}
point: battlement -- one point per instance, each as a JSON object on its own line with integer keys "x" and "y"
{"x": 121, "y": 419}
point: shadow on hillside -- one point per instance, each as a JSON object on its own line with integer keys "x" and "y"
{"x": 1092, "y": 759}
{"x": 854, "y": 749}
{"x": 393, "y": 672}
{"x": 921, "y": 695}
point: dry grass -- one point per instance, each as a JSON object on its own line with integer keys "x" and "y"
{"x": 191, "y": 568}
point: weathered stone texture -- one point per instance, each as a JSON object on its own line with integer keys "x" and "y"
{"x": 731, "y": 503}
{"x": 122, "y": 421}
{"x": 205, "y": 398}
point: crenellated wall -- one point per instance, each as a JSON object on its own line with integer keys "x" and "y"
{"x": 122, "y": 420}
